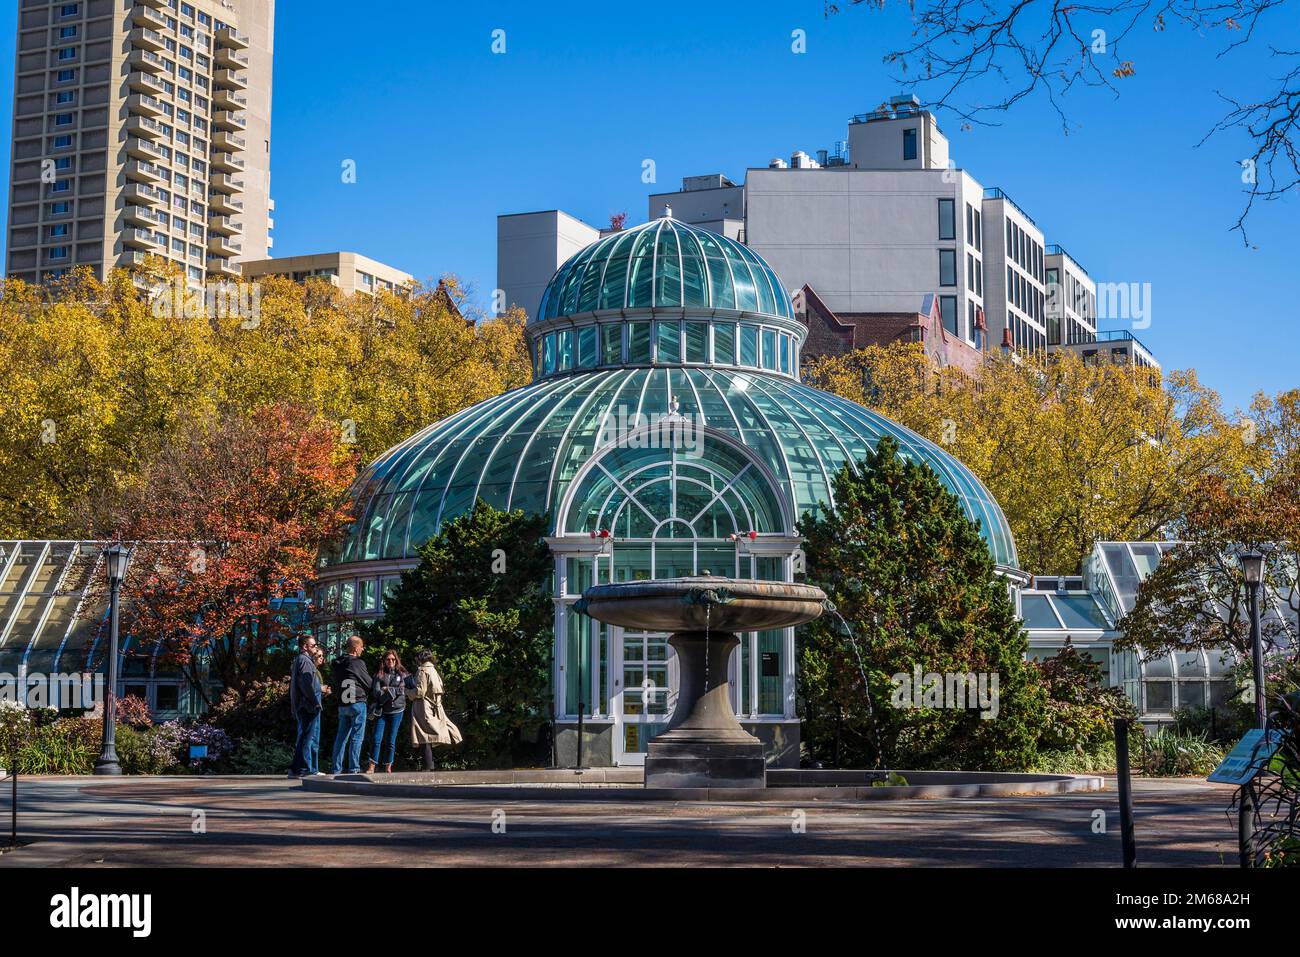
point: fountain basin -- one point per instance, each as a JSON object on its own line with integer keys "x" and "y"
{"x": 704, "y": 745}
{"x": 692, "y": 604}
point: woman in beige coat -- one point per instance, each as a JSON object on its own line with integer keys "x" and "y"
{"x": 429, "y": 722}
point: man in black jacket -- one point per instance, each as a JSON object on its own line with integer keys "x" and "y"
{"x": 305, "y": 703}
{"x": 352, "y": 685}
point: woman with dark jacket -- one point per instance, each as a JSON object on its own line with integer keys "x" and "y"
{"x": 387, "y": 705}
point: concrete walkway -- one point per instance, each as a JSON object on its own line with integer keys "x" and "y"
{"x": 205, "y": 822}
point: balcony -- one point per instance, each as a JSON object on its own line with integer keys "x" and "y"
{"x": 143, "y": 82}
{"x": 228, "y": 141}
{"x": 231, "y": 58}
{"x": 143, "y": 126}
{"x": 222, "y": 267}
{"x": 145, "y": 172}
{"x": 145, "y": 105}
{"x": 143, "y": 149}
{"x": 140, "y": 193}
{"x": 226, "y": 162}
{"x": 227, "y": 120}
{"x": 147, "y": 61}
{"x": 223, "y": 225}
{"x": 225, "y": 204}
{"x": 140, "y": 238}
{"x": 230, "y": 78}
{"x": 147, "y": 39}
{"x": 225, "y": 183}
{"x": 148, "y": 17}
{"x": 223, "y": 245}
{"x": 231, "y": 37}
{"x": 140, "y": 215}
{"x": 229, "y": 99}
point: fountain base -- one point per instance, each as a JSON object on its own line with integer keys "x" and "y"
{"x": 704, "y": 745}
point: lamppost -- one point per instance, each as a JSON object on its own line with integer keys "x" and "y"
{"x": 116, "y": 558}
{"x": 1252, "y": 571}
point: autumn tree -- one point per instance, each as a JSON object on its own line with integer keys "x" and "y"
{"x": 1073, "y": 452}
{"x": 229, "y": 517}
{"x": 101, "y": 375}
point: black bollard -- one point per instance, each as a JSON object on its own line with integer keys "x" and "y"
{"x": 1123, "y": 773}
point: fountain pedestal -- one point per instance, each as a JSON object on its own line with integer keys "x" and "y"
{"x": 704, "y": 745}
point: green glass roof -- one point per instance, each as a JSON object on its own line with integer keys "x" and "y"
{"x": 664, "y": 263}
{"x": 524, "y": 448}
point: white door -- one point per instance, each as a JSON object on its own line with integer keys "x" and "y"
{"x": 645, "y": 691}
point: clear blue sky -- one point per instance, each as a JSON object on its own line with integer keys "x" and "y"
{"x": 446, "y": 135}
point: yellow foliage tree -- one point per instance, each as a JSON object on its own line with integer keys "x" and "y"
{"x": 1074, "y": 452}
{"x": 99, "y": 376}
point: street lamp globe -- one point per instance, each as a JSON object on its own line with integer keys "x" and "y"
{"x": 116, "y": 558}
{"x": 1252, "y": 567}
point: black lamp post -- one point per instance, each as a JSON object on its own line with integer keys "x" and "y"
{"x": 1252, "y": 570}
{"x": 116, "y": 558}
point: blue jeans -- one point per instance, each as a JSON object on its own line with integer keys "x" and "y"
{"x": 307, "y": 747}
{"x": 352, "y": 728}
{"x": 386, "y": 726}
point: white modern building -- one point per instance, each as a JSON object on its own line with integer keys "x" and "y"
{"x": 885, "y": 220}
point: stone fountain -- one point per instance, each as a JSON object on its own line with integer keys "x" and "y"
{"x": 704, "y": 745}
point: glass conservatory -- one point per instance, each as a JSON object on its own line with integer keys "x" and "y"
{"x": 666, "y": 433}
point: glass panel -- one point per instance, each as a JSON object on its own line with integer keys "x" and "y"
{"x": 1160, "y": 696}
{"x": 668, "y": 273}
{"x": 638, "y": 349}
{"x": 771, "y": 685}
{"x": 564, "y": 351}
{"x": 548, "y": 354}
{"x": 1038, "y": 613}
{"x": 748, "y": 345}
{"x": 785, "y": 354}
{"x": 724, "y": 343}
{"x": 668, "y": 339}
{"x": 697, "y": 342}
{"x": 611, "y": 344}
{"x": 1191, "y": 694}
{"x": 369, "y": 595}
{"x": 769, "y": 348}
{"x": 1190, "y": 664}
{"x": 1079, "y": 611}
{"x": 587, "y": 347}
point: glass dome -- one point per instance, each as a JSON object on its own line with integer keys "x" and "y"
{"x": 525, "y": 448}
{"x": 664, "y": 263}
{"x": 662, "y": 326}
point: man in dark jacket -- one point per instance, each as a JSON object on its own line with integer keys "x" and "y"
{"x": 305, "y": 703}
{"x": 352, "y": 685}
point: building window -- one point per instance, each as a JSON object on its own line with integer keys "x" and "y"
{"x": 60, "y": 229}
{"x": 948, "y": 313}
{"x": 69, "y": 9}
{"x": 61, "y": 208}
{"x": 65, "y": 76}
{"x": 63, "y": 142}
{"x": 59, "y": 252}
{"x": 67, "y": 33}
{"x": 970, "y": 272}
{"x": 909, "y": 144}
{"x": 947, "y": 227}
{"x": 68, "y": 53}
{"x": 63, "y": 119}
{"x": 65, "y": 96}
{"x": 979, "y": 231}
{"x": 947, "y": 267}
{"x": 63, "y": 163}
{"x": 61, "y": 186}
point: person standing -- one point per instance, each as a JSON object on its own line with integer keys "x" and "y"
{"x": 352, "y": 685}
{"x": 429, "y": 723}
{"x": 387, "y": 704}
{"x": 305, "y": 704}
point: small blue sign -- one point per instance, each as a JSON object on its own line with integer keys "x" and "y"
{"x": 1248, "y": 758}
{"x": 198, "y": 751}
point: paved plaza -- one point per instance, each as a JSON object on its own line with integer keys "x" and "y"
{"x": 157, "y": 822}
